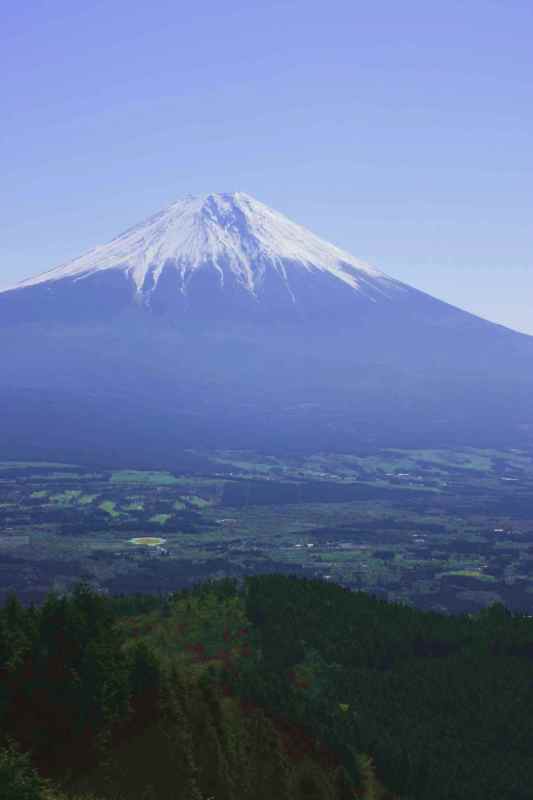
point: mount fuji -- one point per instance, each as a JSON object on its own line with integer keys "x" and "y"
{"x": 219, "y": 255}
{"x": 220, "y": 322}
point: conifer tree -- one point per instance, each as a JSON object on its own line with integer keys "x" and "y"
{"x": 13, "y": 611}
{"x": 179, "y": 739}
{"x": 342, "y": 785}
{"x": 237, "y": 748}
{"x": 369, "y": 780}
{"x": 270, "y": 774}
{"x": 310, "y": 783}
{"x": 18, "y": 778}
{"x": 144, "y": 681}
{"x": 216, "y": 776}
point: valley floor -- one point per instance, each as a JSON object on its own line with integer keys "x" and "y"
{"x": 448, "y": 530}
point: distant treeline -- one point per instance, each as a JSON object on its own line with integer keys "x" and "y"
{"x": 256, "y": 492}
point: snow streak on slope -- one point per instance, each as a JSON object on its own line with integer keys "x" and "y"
{"x": 228, "y": 232}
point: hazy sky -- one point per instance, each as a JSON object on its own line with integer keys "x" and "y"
{"x": 400, "y": 131}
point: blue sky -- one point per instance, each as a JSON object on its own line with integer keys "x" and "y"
{"x": 400, "y": 131}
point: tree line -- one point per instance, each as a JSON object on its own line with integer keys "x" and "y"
{"x": 269, "y": 687}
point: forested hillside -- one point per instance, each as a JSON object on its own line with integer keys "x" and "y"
{"x": 278, "y": 687}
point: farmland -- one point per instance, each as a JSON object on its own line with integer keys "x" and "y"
{"x": 442, "y": 529}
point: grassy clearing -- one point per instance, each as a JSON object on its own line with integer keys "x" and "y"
{"x": 470, "y": 573}
{"x": 438, "y": 460}
{"x": 346, "y": 466}
{"x": 67, "y": 476}
{"x": 161, "y": 518}
{"x": 147, "y": 540}
{"x": 109, "y": 507}
{"x": 335, "y": 556}
{"x": 65, "y": 498}
{"x": 135, "y": 506}
{"x": 87, "y": 499}
{"x": 39, "y": 495}
{"x": 197, "y": 502}
{"x": 150, "y": 478}
{"x": 193, "y": 481}
{"x": 245, "y": 465}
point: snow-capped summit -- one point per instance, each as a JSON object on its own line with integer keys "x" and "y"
{"x": 234, "y": 238}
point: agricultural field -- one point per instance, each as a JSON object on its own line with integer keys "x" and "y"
{"x": 448, "y": 530}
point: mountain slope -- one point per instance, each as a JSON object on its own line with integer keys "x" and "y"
{"x": 219, "y": 322}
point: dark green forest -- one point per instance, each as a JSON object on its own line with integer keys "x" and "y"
{"x": 270, "y": 687}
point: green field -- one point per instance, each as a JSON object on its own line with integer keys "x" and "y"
{"x": 148, "y": 540}
{"x": 110, "y": 508}
{"x": 197, "y": 502}
{"x": 160, "y": 518}
{"x": 150, "y": 478}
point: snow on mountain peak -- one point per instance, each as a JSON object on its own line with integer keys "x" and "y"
{"x": 228, "y": 231}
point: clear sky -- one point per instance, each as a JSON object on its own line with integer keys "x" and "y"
{"x": 400, "y": 131}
